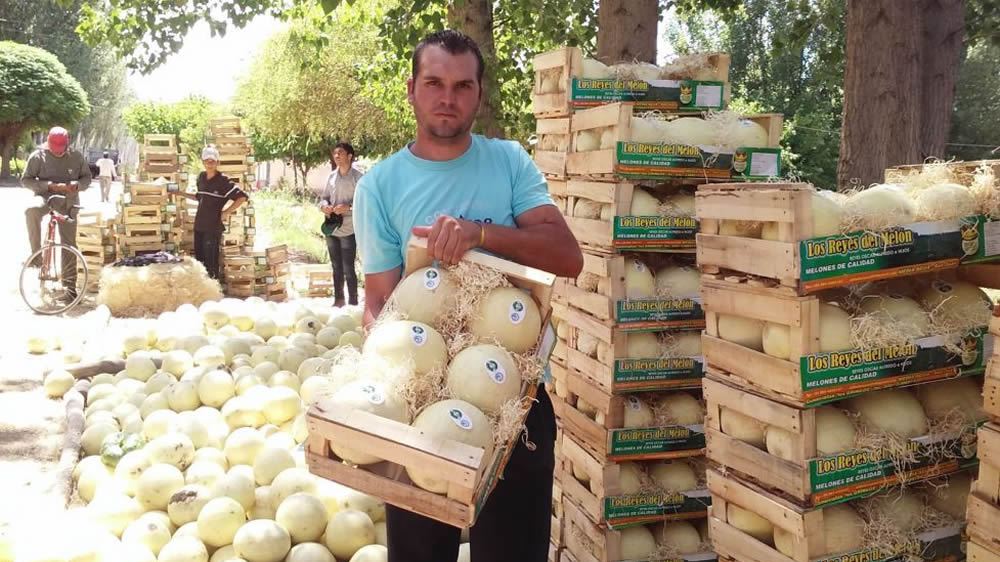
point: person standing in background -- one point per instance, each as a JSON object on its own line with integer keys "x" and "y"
{"x": 106, "y": 175}
{"x": 337, "y": 204}
{"x": 215, "y": 191}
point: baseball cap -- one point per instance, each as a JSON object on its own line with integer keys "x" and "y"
{"x": 58, "y": 138}
{"x": 210, "y": 153}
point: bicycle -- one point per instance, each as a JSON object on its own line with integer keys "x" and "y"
{"x": 44, "y": 290}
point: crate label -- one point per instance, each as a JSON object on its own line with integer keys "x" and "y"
{"x": 856, "y": 474}
{"x": 649, "y": 160}
{"x": 625, "y": 510}
{"x": 937, "y": 545}
{"x": 827, "y": 377}
{"x": 671, "y": 95}
{"x": 652, "y": 313}
{"x": 639, "y": 375}
{"x": 649, "y": 233}
{"x": 654, "y": 441}
{"x": 860, "y": 257}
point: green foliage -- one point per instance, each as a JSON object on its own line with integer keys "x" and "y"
{"x": 188, "y": 119}
{"x": 977, "y": 105}
{"x": 304, "y": 92}
{"x": 292, "y": 218}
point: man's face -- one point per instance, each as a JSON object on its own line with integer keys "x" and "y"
{"x": 445, "y": 95}
{"x": 341, "y": 157}
{"x": 57, "y": 147}
{"x": 210, "y": 165}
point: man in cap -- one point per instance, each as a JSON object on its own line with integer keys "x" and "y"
{"x": 215, "y": 191}
{"x": 107, "y": 174}
{"x": 56, "y": 169}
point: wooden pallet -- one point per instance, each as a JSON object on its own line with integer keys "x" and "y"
{"x": 605, "y": 484}
{"x": 563, "y": 64}
{"x": 603, "y": 163}
{"x": 598, "y": 234}
{"x": 470, "y": 473}
{"x": 609, "y": 439}
{"x": 983, "y": 516}
{"x": 554, "y": 143}
{"x": 793, "y": 479}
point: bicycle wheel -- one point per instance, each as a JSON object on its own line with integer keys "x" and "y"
{"x": 49, "y": 289}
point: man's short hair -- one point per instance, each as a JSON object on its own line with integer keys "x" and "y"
{"x": 105, "y": 154}
{"x": 456, "y": 43}
{"x": 346, "y": 146}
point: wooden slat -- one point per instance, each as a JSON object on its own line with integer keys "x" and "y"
{"x": 775, "y": 260}
{"x": 756, "y": 368}
{"x": 983, "y": 522}
{"x": 980, "y": 553}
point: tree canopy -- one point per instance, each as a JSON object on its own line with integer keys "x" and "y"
{"x": 188, "y": 119}
{"x": 35, "y": 91}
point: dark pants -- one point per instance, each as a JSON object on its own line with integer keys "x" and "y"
{"x": 514, "y": 524}
{"x": 67, "y": 235}
{"x": 206, "y": 250}
{"x": 343, "y": 250}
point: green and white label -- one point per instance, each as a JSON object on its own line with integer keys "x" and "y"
{"x": 633, "y": 509}
{"x": 654, "y": 233}
{"x": 670, "y": 95}
{"x": 664, "y": 161}
{"x": 655, "y": 442}
{"x": 652, "y": 313}
{"x": 641, "y": 375}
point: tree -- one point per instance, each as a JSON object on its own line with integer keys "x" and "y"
{"x": 941, "y": 51}
{"x": 35, "y": 91}
{"x": 305, "y": 93}
{"x": 627, "y": 31}
{"x": 188, "y": 119}
{"x": 975, "y": 131}
{"x": 101, "y": 72}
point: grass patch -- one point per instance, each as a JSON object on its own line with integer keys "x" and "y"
{"x": 292, "y": 219}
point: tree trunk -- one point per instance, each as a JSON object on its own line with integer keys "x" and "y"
{"x": 6, "y": 152}
{"x": 943, "y": 32}
{"x": 626, "y": 30}
{"x": 882, "y": 77}
{"x": 10, "y": 134}
{"x": 475, "y": 19}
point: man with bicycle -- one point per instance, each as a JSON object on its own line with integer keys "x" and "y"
{"x": 56, "y": 173}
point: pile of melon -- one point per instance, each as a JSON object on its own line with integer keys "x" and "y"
{"x": 201, "y": 458}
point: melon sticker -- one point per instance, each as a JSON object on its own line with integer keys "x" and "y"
{"x": 432, "y": 278}
{"x": 638, "y": 265}
{"x": 460, "y": 419}
{"x": 495, "y": 371}
{"x": 373, "y": 393}
{"x": 633, "y": 403}
{"x": 418, "y": 335}
{"x": 516, "y": 311}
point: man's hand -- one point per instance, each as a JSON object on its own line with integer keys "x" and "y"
{"x": 341, "y": 209}
{"x": 59, "y": 188}
{"x": 449, "y": 238}
{"x": 327, "y": 209}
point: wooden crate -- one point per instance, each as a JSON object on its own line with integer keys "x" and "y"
{"x": 805, "y": 525}
{"x": 557, "y": 190}
{"x": 613, "y": 372}
{"x": 980, "y": 553}
{"x": 605, "y": 488}
{"x": 604, "y": 164}
{"x": 785, "y": 380}
{"x": 566, "y": 62}
{"x": 277, "y": 254}
{"x": 225, "y": 126}
{"x": 141, "y": 214}
{"x": 609, "y": 304}
{"x": 991, "y": 385}
{"x": 963, "y": 171}
{"x": 556, "y": 524}
{"x": 320, "y": 284}
{"x": 552, "y": 147}
{"x": 983, "y": 515}
{"x": 153, "y": 142}
{"x": 470, "y": 474}
{"x": 634, "y": 233}
{"x": 609, "y": 439}
{"x": 801, "y": 479}
{"x": 233, "y": 144}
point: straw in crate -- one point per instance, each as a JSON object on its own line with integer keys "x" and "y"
{"x": 445, "y": 464}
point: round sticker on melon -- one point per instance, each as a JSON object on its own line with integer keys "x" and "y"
{"x": 418, "y": 335}
{"x": 460, "y": 419}
{"x": 639, "y": 266}
{"x": 634, "y": 403}
{"x": 374, "y": 394}
{"x": 495, "y": 371}
{"x": 516, "y": 312}
{"x": 432, "y": 278}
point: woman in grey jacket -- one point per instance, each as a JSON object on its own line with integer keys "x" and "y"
{"x": 337, "y": 202}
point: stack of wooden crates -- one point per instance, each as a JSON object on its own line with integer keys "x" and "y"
{"x": 257, "y": 274}
{"x": 236, "y": 159}
{"x": 96, "y": 238}
{"x": 619, "y": 409}
{"x": 160, "y": 159}
{"x": 769, "y": 498}
{"x": 144, "y": 219}
{"x": 983, "y": 517}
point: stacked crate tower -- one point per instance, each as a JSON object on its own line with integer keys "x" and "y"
{"x": 627, "y": 368}
{"x": 160, "y": 160}
{"x": 96, "y": 240}
{"x": 258, "y": 274}
{"x": 984, "y": 502}
{"x": 791, "y": 401}
{"x": 236, "y": 161}
{"x": 144, "y": 220}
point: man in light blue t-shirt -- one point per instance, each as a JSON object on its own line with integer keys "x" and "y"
{"x": 463, "y": 191}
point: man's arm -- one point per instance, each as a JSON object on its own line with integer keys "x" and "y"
{"x": 233, "y": 205}
{"x": 378, "y": 288}
{"x": 83, "y": 181}
{"x": 30, "y": 179}
{"x": 541, "y": 240}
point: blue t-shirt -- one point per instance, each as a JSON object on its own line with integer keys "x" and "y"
{"x": 493, "y": 182}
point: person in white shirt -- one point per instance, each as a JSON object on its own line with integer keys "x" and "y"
{"x": 106, "y": 175}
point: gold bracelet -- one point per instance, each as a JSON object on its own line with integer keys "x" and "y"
{"x": 482, "y": 235}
